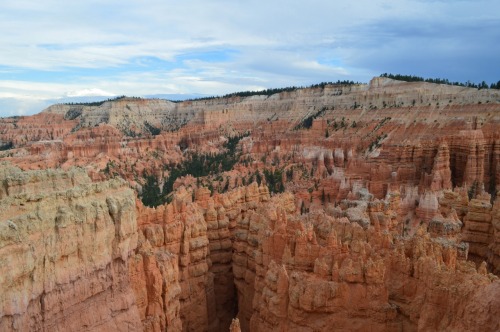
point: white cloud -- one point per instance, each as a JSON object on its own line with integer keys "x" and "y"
{"x": 96, "y": 46}
{"x": 89, "y": 92}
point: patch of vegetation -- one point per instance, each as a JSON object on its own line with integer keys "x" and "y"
{"x": 376, "y": 143}
{"x": 381, "y": 123}
{"x": 473, "y": 190}
{"x": 130, "y": 133}
{"x": 272, "y": 91}
{"x": 152, "y": 129}
{"x": 495, "y": 85}
{"x": 107, "y": 170}
{"x": 73, "y": 113}
{"x": 468, "y": 84}
{"x": 307, "y": 122}
{"x": 338, "y": 83}
{"x": 6, "y": 145}
{"x": 111, "y": 169}
{"x": 196, "y": 165}
{"x": 99, "y": 103}
{"x": 151, "y": 193}
{"x": 173, "y": 122}
{"x": 257, "y": 177}
{"x": 274, "y": 180}
{"x": 339, "y": 125}
{"x": 155, "y": 154}
{"x": 303, "y": 209}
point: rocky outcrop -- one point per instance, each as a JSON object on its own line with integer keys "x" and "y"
{"x": 235, "y": 326}
{"x": 478, "y": 228}
{"x": 317, "y": 272}
{"x": 199, "y": 236}
{"x": 194, "y": 264}
{"x": 494, "y": 246}
{"x": 433, "y": 135}
{"x": 344, "y": 206}
{"x": 65, "y": 246}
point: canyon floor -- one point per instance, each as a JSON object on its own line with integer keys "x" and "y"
{"x": 356, "y": 207}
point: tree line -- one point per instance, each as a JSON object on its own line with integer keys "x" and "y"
{"x": 99, "y": 103}
{"x": 272, "y": 91}
{"x": 468, "y": 84}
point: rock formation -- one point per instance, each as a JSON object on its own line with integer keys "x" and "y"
{"x": 65, "y": 250}
{"x": 336, "y": 207}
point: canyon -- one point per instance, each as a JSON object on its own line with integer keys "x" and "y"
{"x": 332, "y": 208}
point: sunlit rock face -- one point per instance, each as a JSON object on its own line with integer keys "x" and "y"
{"x": 65, "y": 248}
{"x": 349, "y": 207}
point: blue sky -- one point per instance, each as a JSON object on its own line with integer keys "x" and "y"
{"x": 54, "y": 50}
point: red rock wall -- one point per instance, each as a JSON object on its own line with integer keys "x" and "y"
{"x": 344, "y": 247}
{"x": 65, "y": 246}
{"x": 197, "y": 235}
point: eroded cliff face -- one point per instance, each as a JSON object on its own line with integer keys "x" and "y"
{"x": 346, "y": 207}
{"x": 197, "y": 291}
{"x": 194, "y": 264}
{"x": 258, "y": 258}
{"x": 65, "y": 249}
{"x": 317, "y": 272}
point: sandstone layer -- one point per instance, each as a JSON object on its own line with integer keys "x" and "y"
{"x": 65, "y": 249}
{"x": 343, "y": 207}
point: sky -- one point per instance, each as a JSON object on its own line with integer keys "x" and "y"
{"x": 55, "y": 51}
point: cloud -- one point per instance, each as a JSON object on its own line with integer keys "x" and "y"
{"x": 89, "y": 93}
{"x": 21, "y": 106}
{"x": 92, "y": 47}
{"x": 456, "y": 50}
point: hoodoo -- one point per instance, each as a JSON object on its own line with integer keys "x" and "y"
{"x": 346, "y": 207}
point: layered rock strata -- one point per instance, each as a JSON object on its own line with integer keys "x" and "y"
{"x": 198, "y": 294}
{"x": 65, "y": 250}
{"x": 295, "y": 272}
{"x": 194, "y": 264}
{"x": 389, "y": 217}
